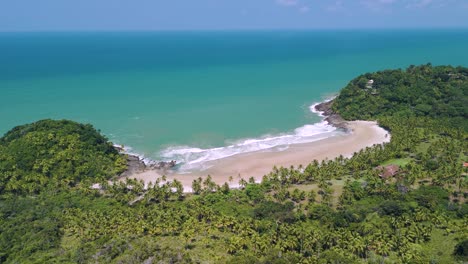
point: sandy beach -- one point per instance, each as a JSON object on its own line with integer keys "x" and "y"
{"x": 256, "y": 164}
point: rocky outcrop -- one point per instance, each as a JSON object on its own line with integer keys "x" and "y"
{"x": 163, "y": 165}
{"x": 331, "y": 117}
{"x": 136, "y": 165}
{"x": 325, "y": 108}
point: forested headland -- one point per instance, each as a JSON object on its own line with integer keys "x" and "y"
{"x": 346, "y": 210}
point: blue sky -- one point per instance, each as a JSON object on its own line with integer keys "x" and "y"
{"x": 110, "y": 15}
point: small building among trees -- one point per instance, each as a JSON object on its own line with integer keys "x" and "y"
{"x": 388, "y": 171}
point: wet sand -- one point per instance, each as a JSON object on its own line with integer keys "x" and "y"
{"x": 257, "y": 164}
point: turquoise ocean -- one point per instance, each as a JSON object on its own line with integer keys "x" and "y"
{"x": 200, "y": 96}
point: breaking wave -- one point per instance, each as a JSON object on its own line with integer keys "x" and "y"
{"x": 192, "y": 158}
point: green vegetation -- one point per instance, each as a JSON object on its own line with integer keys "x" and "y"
{"x": 52, "y": 152}
{"x": 399, "y": 162}
{"x": 336, "y": 211}
{"x": 438, "y": 92}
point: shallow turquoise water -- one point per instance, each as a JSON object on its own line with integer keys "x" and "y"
{"x": 157, "y": 91}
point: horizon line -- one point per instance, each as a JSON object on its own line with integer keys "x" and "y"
{"x": 232, "y": 30}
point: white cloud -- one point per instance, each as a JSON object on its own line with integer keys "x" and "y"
{"x": 419, "y": 4}
{"x": 336, "y": 6}
{"x": 294, "y": 3}
{"x": 304, "y": 9}
{"x": 387, "y": 1}
{"x": 287, "y": 2}
{"x": 378, "y": 5}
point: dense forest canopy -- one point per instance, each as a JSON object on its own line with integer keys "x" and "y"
{"x": 440, "y": 91}
{"x": 59, "y": 152}
{"x": 333, "y": 211}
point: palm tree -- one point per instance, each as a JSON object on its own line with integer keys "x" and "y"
{"x": 235, "y": 245}
{"x": 179, "y": 188}
{"x": 242, "y": 183}
{"x": 312, "y": 195}
{"x": 196, "y": 186}
{"x": 225, "y": 188}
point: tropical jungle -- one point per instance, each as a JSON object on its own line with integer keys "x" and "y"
{"x": 344, "y": 210}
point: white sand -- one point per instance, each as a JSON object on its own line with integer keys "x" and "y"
{"x": 257, "y": 164}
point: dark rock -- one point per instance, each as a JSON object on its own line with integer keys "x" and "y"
{"x": 332, "y": 118}
{"x": 163, "y": 165}
{"x": 134, "y": 165}
{"x": 337, "y": 121}
{"x": 119, "y": 148}
{"x": 325, "y": 108}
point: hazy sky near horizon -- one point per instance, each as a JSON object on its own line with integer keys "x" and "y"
{"x": 110, "y": 15}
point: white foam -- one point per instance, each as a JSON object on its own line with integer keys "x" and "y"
{"x": 320, "y": 113}
{"x": 193, "y": 158}
{"x": 197, "y": 158}
{"x": 129, "y": 151}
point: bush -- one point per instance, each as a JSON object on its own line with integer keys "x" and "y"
{"x": 321, "y": 212}
{"x": 393, "y": 208}
{"x": 461, "y": 249}
{"x": 431, "y": 197}
{"x": 276, "y": 211}
{"x": 255, "y": 192}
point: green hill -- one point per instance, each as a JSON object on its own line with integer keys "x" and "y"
{"x": 59, "y": 152}
{"x": 440, "y": 91}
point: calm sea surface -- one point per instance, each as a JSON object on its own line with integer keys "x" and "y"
{"x": 198, "y": 96}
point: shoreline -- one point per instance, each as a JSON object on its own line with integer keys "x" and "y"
{"x": 360, "y": 134}
{"x": 257, "y": 164}
{"x": 138, "y": 163}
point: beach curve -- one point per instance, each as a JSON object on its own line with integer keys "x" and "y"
{"x": 361, "y": 134}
